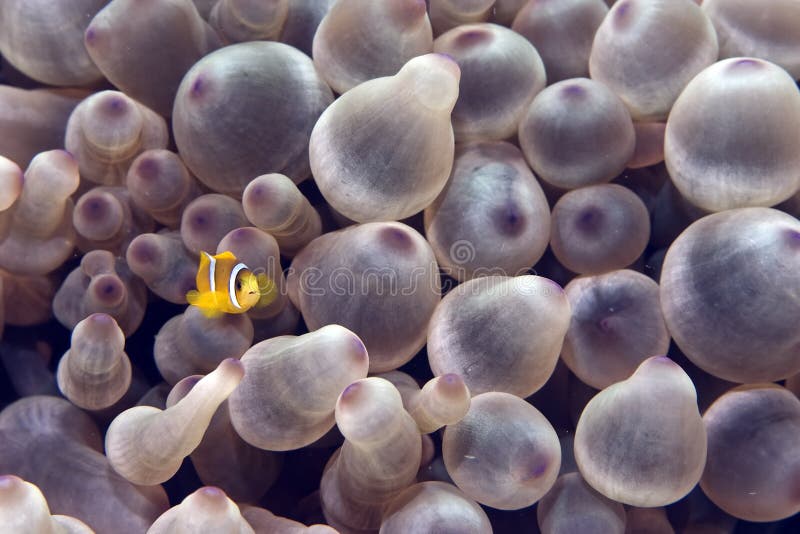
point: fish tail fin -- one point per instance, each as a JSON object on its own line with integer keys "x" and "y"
{"x": 193, "y": 296}
{"x": 267, "y": 289}
{"x": 205, "y": 302}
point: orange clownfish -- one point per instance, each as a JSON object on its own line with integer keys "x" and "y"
{"x": 226, "y": 285}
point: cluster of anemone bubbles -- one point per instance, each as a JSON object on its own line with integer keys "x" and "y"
{"x": 537, "y": 262}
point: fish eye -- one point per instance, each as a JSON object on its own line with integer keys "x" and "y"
{"x": 238, "y": 285}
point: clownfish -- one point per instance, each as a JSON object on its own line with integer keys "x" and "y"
{"x": 226, "y": 285}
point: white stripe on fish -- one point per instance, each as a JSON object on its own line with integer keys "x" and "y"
{"x": 212, "y": 267}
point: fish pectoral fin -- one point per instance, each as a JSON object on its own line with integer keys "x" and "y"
{"x": 267, "y": 289}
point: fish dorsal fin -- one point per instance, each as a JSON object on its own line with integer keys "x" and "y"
{"x": 227, "y": 255}
{"x": 205, "y": 259}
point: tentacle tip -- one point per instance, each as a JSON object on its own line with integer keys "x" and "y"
{"x": 257, "y": 191}
{"x": 8, "y": 481}
{"x": 94, "y": 209}
{"x": 664, "y": 363}
{"x": 509, "y": 220}
{"x": 90, "y": 36}
{"x": 793, "y": 238}
{"x": 117, "y": 105}
{"x": 144, "y": 252}
{"x": 147, "y": 168}
{"x": 212, "y": 492}
{"x": 397, "y": 238}
{"x": 108, "y": 289}
{"x": 232, "y": 365}
{"x": 474, "y": 37}
{"x": 663, "y": 359}
{"x": 240, "y": 234}
{"x": 452, "y": 385}
{"x": 539, "y": 470}
{"x": 590, "y": 219}
{"x": 452, "y": 380}
{"x": 212, "y": 497}
{"x": 605, "y": 324}
{"x": 554, "y": 286}
{"x": 199, "y": 87}
{"x": 573, "y": 90}
{"x": 201, "y": 219}
{"x": 358, "y": 347}
{"x": 100, "y": 319}
{"x": 350, "y": 393}
{"x": 747, "y": 63}
{"x": 622, "y": 12}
